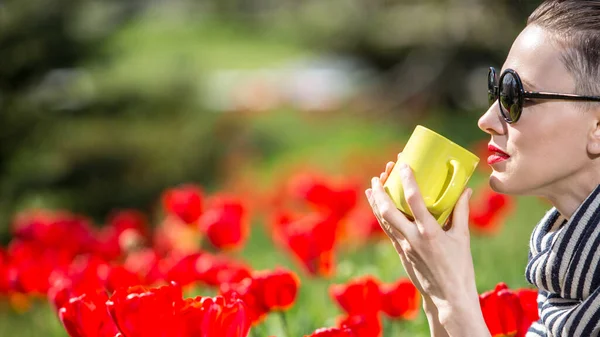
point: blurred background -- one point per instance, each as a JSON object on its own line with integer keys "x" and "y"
{"x": 105, "y": 104}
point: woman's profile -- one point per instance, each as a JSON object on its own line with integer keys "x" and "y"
{"x": 544, "y": 128}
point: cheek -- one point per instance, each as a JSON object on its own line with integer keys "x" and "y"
{"x": 551, "y": 145}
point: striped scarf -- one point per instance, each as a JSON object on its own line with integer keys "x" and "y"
{"x": 564, "y": 264}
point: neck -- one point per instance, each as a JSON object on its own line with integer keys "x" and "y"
{"x": 567, "y": 196}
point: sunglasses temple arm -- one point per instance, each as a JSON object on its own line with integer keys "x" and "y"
{"x": 549, "y": 95}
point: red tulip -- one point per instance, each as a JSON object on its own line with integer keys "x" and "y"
{"x": 249, "y": 292}
{"x": 49, "y": 229}
{"x": 504, "y": 312}
{"x": 141, "y": 312}
{"x": 311, "y": 239}
{"x": 337, "y": 199}
{"x": 400, "y": 299}
{"x": 278, "y": 288}
{"x": 125, "y": 231}
{"x": 225, "y": 222}
{"x": 264, "y": 292}
{"x": 185, "y": 202}
{"x": 312, "y": 189}
{"x": 86, "y": 316}
{"x": 106, "y": 244}
{"x": 480, "y": 148}
{"x": 281, "y": 221}
{"x": 4, "y": 270}
{"x": 215, "y": 270}
{"x": 489, "y": 210}
{"x": 346, "y": 197}
{"x": 359, "y": 296}
{"x": 118, "y": 276}
{"x": 60, "y": 291}
{"x": 191, "y": 316}
{"x": 146, "y": 263}
{"x": 88, "y": 271}
{"x": 34, "y": 225}
{"x": 528, "y": 300}
{"x": 363, "y": 325}
{"x": 332, "y": 332}
{"x": 162, "y": 312}
{"x": 219, "y": 317}
{"x": 32, "y": 264}
{"x": 172, "y": 235}
{"x": 182, "y": 269}
{"x": 86, "y": 274}
{"x": 129, "y": 219}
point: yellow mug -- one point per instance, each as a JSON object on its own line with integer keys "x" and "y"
{"x": 441, "y": 169}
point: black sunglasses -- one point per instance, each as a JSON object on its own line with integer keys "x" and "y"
{"x": 509, "y": 90}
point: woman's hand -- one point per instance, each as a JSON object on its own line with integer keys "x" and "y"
{"x": 438, "y": 261}
{"x": 392, "y": 235}
{"x": 435, "y": 327}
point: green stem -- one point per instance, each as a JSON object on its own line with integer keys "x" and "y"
{"x": 286, "y": 326}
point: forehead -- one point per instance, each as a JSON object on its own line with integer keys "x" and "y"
{"x": 536, "y": 57}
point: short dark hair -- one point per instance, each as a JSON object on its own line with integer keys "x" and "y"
{"x": 576, "y": 25}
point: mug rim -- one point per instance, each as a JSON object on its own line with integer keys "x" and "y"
{"x": 419, "y": 126}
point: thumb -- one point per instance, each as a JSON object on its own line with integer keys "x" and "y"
{"x": 460, "y": 215}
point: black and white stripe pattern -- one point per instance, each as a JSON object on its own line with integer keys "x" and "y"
{"x": 564, "y": 265}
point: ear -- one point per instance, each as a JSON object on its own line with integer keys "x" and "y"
{"x": 593, "y": 145}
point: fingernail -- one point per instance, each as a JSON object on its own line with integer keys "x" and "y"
{"x": 403, "y": 166}
{"x": 470, "y": 194}
{"x": 368, "y": 192}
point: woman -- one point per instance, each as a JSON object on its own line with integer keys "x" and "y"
{"x": 541, "y": 144}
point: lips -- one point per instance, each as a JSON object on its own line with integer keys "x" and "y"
{"x": 497, "y": 155}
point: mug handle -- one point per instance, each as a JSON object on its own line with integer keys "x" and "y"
{"x": 451, "y": 194}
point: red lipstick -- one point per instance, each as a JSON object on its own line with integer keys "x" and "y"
{"x": 497, "y": 155}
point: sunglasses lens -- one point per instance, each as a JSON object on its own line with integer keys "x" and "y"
{"x": 510, "y": 97}
{"x": 492, "y": 89}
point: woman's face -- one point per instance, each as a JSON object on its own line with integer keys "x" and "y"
{"x": 548, "y": 144}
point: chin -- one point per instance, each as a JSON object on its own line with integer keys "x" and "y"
{"x": 502, "y": 184}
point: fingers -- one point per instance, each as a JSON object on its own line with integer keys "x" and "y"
{"x": 414, "y": 199}
{"x": 394, "y": 235}
{"x": 388, "y": 169}
{"x": 388, "y": 213}
{"x": 384, "y": 225}
{"x": 389, "y": 166}
{"x": 408, "y": 268}
{"x": 460, "y": 215}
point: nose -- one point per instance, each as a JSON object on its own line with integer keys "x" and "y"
{"x": 491, "y": 122}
